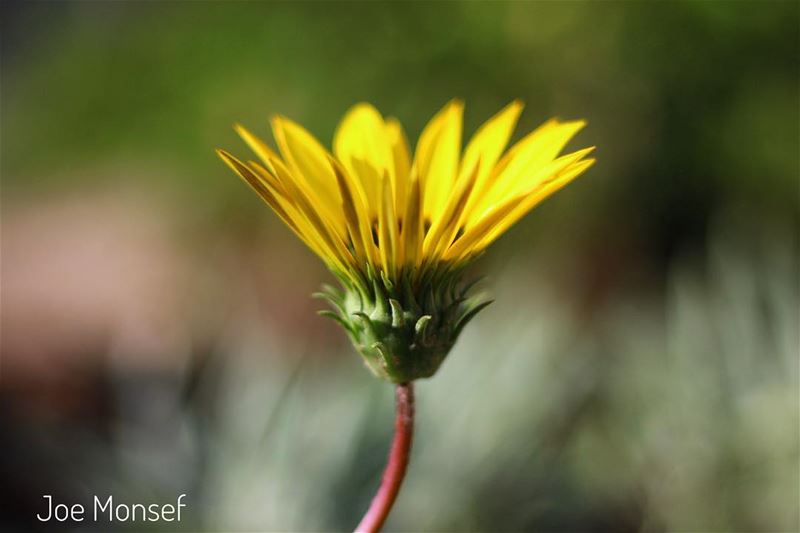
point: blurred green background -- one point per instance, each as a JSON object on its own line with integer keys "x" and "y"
{"x": 637, "y": 372}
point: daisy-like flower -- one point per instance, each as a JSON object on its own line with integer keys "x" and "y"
{"x": 398, "y": 232}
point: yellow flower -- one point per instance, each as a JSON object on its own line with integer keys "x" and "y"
{"x": 398, "y": 229}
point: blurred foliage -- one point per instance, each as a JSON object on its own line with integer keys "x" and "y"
{"x": 673, "y": 419}
{"x": 690, "y": 103}
{"x": 639, "y": 370}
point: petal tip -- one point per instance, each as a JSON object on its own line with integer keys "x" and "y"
{"x": 516, "y": 104}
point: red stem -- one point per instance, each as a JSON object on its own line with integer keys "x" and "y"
{"x": 398, "y": 461}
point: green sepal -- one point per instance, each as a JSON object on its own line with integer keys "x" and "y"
{"x": 404, "y": 327}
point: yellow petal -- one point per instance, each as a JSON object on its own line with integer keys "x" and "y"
{"x": 402, "y": 162}
{"x": 369, "y": 181}
{"x": 412, "y": 232}
{"x": 362, "y": 146}
{"x": 354, "y": 206}
{"x": 528, "y": 157}
{"x": 489, "y": 142}
{"x": 464, "y": 246}
{"x": 437, "y": 157}
{"x": 532, "y": 199}
{"x": 536, "y": 179}
{"x": 370, "y": 207}
{"x": 445, "y": 227}
{"x": 268, "y": 176}
{"x": 323, "y": 226}
{"x": 308, "y": 162}
{"x": 285, "y": 213}
{"x": 387, "y": 230}
{"x": 257, "y": 145}
{"x": 255, "y": 182}
{"x": 267, "y": 173}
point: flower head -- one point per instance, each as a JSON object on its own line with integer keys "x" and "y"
{"x": 397, "y": 232}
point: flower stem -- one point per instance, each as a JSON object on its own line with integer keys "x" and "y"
{"x": 398, "y": 461}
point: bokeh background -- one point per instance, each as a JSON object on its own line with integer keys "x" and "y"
{"x": 637, "y": 372}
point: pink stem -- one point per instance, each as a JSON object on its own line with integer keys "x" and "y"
{"x": 398, "y": 461}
